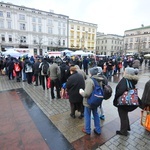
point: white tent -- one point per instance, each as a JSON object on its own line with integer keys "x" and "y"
{"x": 147, "y": 55}
{"x": 78, "y": 52}
{"x": 12, "y": 53}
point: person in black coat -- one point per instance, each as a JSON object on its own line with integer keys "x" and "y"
{"x": 74, "y": 83}
{"x": 131, "y": 75}
{"x": 36, "y": 71}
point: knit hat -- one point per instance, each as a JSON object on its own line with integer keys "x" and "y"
{"x": 94, "y": 71}
{"x": 99, "y": 70}
{"x": 131, "y": 71}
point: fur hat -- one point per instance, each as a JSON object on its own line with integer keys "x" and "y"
{"x": 94, "y": 71}
{"x": 131, "y": 71}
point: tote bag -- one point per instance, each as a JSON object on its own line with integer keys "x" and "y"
{"x": 145, "y": 118}
{"x": 129, "y": 97}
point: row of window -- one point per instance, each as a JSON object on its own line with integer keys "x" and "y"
{"x": 35, "y": 28}
{"x": 105, "y": 41}
{"x": 23, "y": 39}
{"x": 22, "y": 17}
{"x": 138, "y": 39}
{"x": 105, "y": 48}
{"x": 83, "y": 28}
{"x": 137, "y": 46}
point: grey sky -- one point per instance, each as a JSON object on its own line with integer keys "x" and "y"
{"x": 112, "y": 16}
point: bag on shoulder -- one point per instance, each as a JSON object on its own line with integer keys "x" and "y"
{"x": 129, "y": 97}
{"x": 107, "y": 91}
{"x": 45, "y": 67}
{"x": 96, "y": 96}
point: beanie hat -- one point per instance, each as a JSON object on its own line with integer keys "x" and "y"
{"x": 94, "y": 71}
{"x": 131, "y": 71}
{"x": 99, "y": 70}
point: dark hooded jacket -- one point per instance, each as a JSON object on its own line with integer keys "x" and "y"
{"x": 74, "y": 83}
{"x": 122, "y": 87}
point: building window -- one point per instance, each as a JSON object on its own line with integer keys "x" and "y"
{"x": 8, "y": 15}
{"x": 49, "y": 22}
{"x": 33, "y": 19}
{"x": 78, "y": 27}
{"x": 72, "y": 26}
{"x": 112, "y": 41}
{"x": 105, "y": 47}
{"x": 89, "y": 29}
{"x": 59, "y": 42}
{"x": 64, "y": 25}
{"x": 40, "y": 28}
{"x": 1, "y": 24}
{"x": 50, "y": 30}
{"x": 93, "y": 30}
{"x": 39, "y": 20}
{"x": 101, "y": 47}
{"x": 105, "y": 41}
{"x": 112, "y": 47}
{"x": 59, "y": 24}
{"x": 9, "y": 24}
{"x": 131, "y": 39}
{"x": 10, "y": 38}
{"x": 34, "y": 28}
{"x": 83, "y": 28}
{"x": 1, "y": 13}
{"x": 63, "y": 42}
{"x": 34, "y": 41}
{"x": 64, "y": 31}
{"x": 59, "y": 31}
{"x": 102, "y": 42}
{"x": 21, "y": 17}
{"x": 22, "y": 39}
{"x": 3, "y": 37}
{"x": 22, "y": 26}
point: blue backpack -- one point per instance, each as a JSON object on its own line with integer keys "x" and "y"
{"x": 96, "y": 96}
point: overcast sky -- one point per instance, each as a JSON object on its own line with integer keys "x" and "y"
{"x": 111, "y": 16}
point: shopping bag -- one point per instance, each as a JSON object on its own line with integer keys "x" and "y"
{"x": 145, "y": 118}
{"x": 48, "y": 83}
{"x": 14, "y": 73}
{"x": 33, "y": 78}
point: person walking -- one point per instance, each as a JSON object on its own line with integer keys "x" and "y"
{"x": 131, "y": 75}
{"x": 74, "y": 83}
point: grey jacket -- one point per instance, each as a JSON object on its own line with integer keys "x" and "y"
{"x": 55, "y": 71}
{"x": 89, "y": 87}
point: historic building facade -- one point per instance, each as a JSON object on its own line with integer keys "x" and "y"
{"x": 137, "y": 40}
{"x": 25, "y": 27}
{"x": 109, "y": 44}
{"x": 82, "y": 35}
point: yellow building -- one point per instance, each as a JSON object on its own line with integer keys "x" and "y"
{"x": 82, "y": 35}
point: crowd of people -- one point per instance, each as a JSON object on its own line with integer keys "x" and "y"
{"x": 70, "y": 74}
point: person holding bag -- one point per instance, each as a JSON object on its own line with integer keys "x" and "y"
{"x": 130, "y": 75}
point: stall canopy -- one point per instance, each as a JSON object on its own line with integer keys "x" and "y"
{"x": 12, "y": 53}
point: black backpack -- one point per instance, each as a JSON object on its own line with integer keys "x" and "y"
{"x": 107, "y": 91}
{"x": 45, "y": 67}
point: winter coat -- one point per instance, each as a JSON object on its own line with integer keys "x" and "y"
{"x": 40, "y": 67}
{"x": 74, "y": 83}
{"x": 36, "y": 69}
{"x": 122, "y": 87}
{"x": 54, "y": 71}
{"x": 89, "y": 87}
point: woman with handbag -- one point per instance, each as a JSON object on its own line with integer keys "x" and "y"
{"x": 130, "y": 76}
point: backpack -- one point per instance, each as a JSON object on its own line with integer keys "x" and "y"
{"x": 96, "y": 96}
{"x": 107, "y": 91}
{"x": 28, "y": 68}
{"x": 45, "y": 67}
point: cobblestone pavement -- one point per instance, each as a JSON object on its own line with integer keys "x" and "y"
{"x": 58, "y": 111}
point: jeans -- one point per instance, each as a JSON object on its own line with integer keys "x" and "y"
{"x": 87, "y": 120}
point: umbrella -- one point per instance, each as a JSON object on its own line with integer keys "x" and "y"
{"x": 11, "y": 53}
